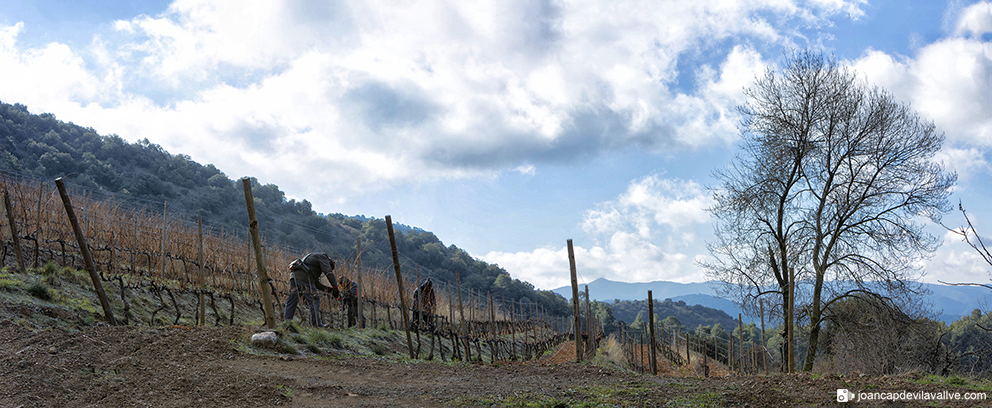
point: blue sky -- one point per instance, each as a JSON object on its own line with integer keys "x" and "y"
{"x": 505, "y": 127}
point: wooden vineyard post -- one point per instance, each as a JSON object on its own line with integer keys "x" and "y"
{"x": 740, "y": 341}
{"x": 641, "y": 349}
{"x": 37, "y": 233}
{"x": 654, "y": 365}
{"x": 688, "y": 358}
{"x": 165, "y": 227}
{"x": 13, "y": 230}
{"x": 706, "y": 358}
{"x": 202, "y": 283}
{"x": 730, "y": 351}
{"x": 575, "y": 303}
{"x": 263, "y": 276}
{"x": 87, "y": 259}
{"x": 461, "y": 314}
{"x": 399, "y": 284}
{"x": 591, "y": 339}
{"x": 358, "y": 275}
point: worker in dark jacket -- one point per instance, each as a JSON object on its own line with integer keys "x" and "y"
{"x": 305, "y": 281}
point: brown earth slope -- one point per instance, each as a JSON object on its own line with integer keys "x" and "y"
{"x": 214, "y": 367}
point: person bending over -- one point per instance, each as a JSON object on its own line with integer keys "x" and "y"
{"x": 304, "y": 281}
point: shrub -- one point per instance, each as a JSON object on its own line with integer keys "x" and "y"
{"x": 40, "y": 291}
{"x": 50, "y": 269}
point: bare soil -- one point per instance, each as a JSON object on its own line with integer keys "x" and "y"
{"x": 182, "y": 366}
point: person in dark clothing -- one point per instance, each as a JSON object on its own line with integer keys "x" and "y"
{"x": 305, "y": 281}
{"x": 349, "y": 294}
{"x": 424, "y": 305}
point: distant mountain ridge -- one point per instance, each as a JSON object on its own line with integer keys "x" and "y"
{"x": 949, "y": 302}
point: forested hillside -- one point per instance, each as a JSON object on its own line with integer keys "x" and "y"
{"x": 142, "y": 172}
{"x": 686, "y": 316}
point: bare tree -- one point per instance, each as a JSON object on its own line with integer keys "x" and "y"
{"x": 833, "y": 177}
{"x": 970, "y": 236}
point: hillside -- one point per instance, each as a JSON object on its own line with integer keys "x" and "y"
{"x": 948, "y": 303}
{"x": 41, "y": 148}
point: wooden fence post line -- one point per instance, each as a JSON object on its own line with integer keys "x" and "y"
{"x": 461, "y": 321}
{"x": 202, "y": 281}
{"x": 165, "y": 227}
{"x": 654, "y": 365}
{"x": 399, "y": 284}
{"x": 87, "y": 259}
{"x": 358, "y": 275}
{"x": 263, "y": 276}
{"x": 575, "y": 303}
{"x": 13, "y": 230}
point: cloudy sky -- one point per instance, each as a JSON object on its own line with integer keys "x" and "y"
{"x": 506, "y": 126}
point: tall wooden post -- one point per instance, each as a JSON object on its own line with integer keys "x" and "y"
{"x": 575, "y": 303}
{"x": 37, "y": 233}
{"x": 202, "y": 283}
{"x": 87, "y": 259}
{"x": 591, "y": 340}
{"x": 688, "y": 357}
{"x": 399, "y": 284}
{"x": 263, "y": 275}
{"x": 740, "y": 341}
{"x": 13, "y": 230}
{"x": 165, "y": 227}
{"x": 461, "y": 321}
{"x": 358, "y": 275}
{"x": 654, "y": 364}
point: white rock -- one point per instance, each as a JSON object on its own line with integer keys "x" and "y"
{"x": 264, "y": 339}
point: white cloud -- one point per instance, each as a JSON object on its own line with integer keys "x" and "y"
{"x": 366, "y": 95}
{"x": 968, "y": 163}
{"x": 948, "y": 81}
{"x": 648, "y": 233}
{"x": 975, "y": 20}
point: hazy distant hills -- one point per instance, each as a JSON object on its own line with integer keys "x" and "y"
{"x": 949, "y": 302}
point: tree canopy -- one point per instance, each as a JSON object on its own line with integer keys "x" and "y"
{"x": 833, "y": 178}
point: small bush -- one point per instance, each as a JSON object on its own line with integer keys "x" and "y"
{"x": 40, "y": 291}
{"x": 325, "y": 339}
{"x": 53, "y": 281}
{"x": 378, "y": 349}
{"x": 50, "y": 269}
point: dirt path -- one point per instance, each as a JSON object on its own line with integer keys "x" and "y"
{"x": 183, "y": 367}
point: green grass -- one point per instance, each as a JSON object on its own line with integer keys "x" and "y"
{"x": 703, "y": 399}
{"x": 10, "y": 282}
{"x": 958, "y": 381}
